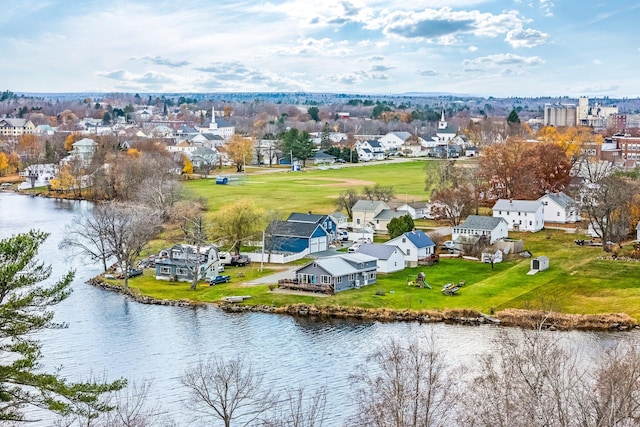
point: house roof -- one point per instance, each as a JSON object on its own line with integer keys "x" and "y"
{"x": 306, "y": 217}
{"x": 560, "y": 199}
{"x": 342, "y": 265}
{"x": 390, "y": 214}
{"x": 291, "y": 229}
{"x": 85, "y": 142}
{"x": 478, "y": 222}
{"x": 374, "y": 143}
{"x": 402, "y": 135}
{"x": 517, "y": 205}
{"x": 322, "y": 155}
{"x": 338, "y": 216}
{"x": 368, "y": 205}
{"x": 419, "y": 239}
{"x": 377, "y": 250}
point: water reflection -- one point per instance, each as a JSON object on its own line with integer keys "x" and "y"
{"x": 109, "y": 334}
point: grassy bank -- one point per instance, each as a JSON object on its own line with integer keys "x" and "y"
{"x": 577, "y": 282}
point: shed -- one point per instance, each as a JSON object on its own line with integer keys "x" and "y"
{"x": 539, "y": 263}
{"x": 222, "y": 180}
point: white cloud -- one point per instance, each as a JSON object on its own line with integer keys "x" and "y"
{"x": 526, "y": 37}
{"x": 505, "y": 63}
{"x": 597, "y": 62}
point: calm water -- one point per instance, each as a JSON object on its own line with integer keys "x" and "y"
{"x": 111, "y": 336}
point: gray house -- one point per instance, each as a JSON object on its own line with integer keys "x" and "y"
{"x": 181, "y": 261}
{"x": 336, "y": 273}
{"x": 390, "y": 257}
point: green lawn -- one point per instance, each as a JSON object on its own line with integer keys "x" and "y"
{"x": 576, "y": 282}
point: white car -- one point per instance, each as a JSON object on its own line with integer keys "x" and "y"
{"x": 353, "y": 248}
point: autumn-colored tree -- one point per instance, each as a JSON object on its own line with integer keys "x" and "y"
{"x": 64, "y": 180}
{"x": 240, "y": 151}
{"x": 133, "y": 152}
{"x": 4, "y": 163}
{"x": 71, "y": 139}
{"x": 571, "y": 140}
{"x": 29, "y": 147}
{"x": 187, "y": 165}
{"x": 551, "y": 167}
{"x": 507, "y": 170}
{"x": 14, "y": 161}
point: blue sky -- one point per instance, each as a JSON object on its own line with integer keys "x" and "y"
{"x": 477, "y": 47}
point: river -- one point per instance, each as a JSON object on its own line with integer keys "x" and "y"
{"x": 108, "y": 335}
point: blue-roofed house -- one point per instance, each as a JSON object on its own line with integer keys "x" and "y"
{"x": 560, "y": 208}
{"x": 416, "y": 245}
{"x": 390, "y": 257}
{"x": 326, "y": 221}
{"x": 335, "y": 273}
{"x": 295, "y": 237}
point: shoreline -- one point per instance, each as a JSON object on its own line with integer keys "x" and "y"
{"x": 526, "y": 319}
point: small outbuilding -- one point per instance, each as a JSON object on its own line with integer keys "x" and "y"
{"x": 539, "y": 263}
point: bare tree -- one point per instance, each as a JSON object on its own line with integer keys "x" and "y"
{"x": 228, "y": 391}
{"x": 384, "y": 193}
{"x": 411, "y": 386}
{"x": 190, "y": 219}
{"x": 530, "y": 379}
{"x": 299, "y": 410}
{"x": 608, "y": 203}
{"x": 87, "y": 236}
{"x": 128, "y": 229}
{"x": 346, "y": 200}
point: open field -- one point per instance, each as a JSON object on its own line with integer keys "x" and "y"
{"x": 576, "y": 282}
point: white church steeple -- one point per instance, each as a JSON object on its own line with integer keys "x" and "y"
{"x": 213, "y": 124}
{"x": 442, "y": 124}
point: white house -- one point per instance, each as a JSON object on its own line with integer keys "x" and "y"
{"x": 364, "y": 211}
{"x": 417, "y": 210}
{"x": 521, "y": 215}
{"x": 495, "y": 228}
{"x": 560, "y": 208}
{"x": 393, "y": 141}
{"x": 390, "y": 257}
{"x": 84, "y": 149}
{"x": 416, "y": 246}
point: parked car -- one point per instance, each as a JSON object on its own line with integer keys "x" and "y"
{"x": 133, "y": 272}
{"x": 449, "y": 244}
{"x": 353, "y": 248}
{"x": 5, "y": 185}
{"x": 219, "y": 279}
{"x": 240, "y": 260}
{"x": 342, "y": 235}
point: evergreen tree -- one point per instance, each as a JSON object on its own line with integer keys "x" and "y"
{"x": 24, "y": 310}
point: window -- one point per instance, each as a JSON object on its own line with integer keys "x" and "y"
{"x": 351, "y": 277}
{"x": 404, "y": 240}
{"x": 325, "y": 280}
{"x": 519, "y": 213}
{"x": 358, "y": 221}
{"x": 165, "y": 270}
{"x": 557, "y": 213}
{"x": 499, "y": 212}
{"x": 408, "y": 251}
{"x": 181, "y": 271}
{"x": 372, "y": 275}
{"x": 530, "y": 223}
{"x": 339, "y": 279}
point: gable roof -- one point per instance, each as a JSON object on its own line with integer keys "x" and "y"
{"x": 419, "y": 239}
{"x": 390, "y": 214}
{"x": 377, "y": 250}
{"x": 479, "y": 222}
{"x": 343, "y": 264}
{"x": 517, "y": 205}
{"x": 369, "y": 205}
{"x": 402, "y": 135}
{"x": 560, "y": 199}
{"x": 291, "y": 229}
{"x": 306, "y": 217}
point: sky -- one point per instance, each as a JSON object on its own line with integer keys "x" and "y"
{"x": 468, "y": 47}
